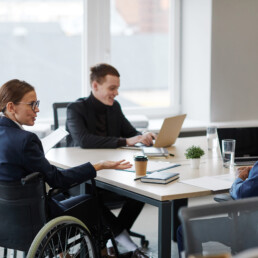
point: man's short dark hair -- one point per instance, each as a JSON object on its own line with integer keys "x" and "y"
{"x": 99, "y": 71}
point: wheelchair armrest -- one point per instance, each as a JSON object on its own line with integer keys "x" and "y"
{"x": 32, "y": 177}
{"x": 222, "y": 197}
{"x": 55, "y": 191}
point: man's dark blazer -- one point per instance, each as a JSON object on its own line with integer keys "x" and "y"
{"x": 81, "y": 124}
{"x": 21, "y": 153}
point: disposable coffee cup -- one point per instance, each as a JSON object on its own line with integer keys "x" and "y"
{"x": 140, "y": 162}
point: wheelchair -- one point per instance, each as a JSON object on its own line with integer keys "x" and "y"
{"x": 27, "y": 226}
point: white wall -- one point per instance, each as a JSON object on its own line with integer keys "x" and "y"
{"x": 220, "y": 59}
{"x": 234, "y": 62}
{"x": 195, "y": 77}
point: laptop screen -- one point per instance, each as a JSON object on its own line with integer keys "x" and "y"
{"x": 246, "y": 140}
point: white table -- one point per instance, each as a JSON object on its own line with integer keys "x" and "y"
{"x": 161, "y": 196}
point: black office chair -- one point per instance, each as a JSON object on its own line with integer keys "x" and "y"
{"x": 229, "y": 227}
{"x": 116, "y": 202}
{"x": 24, "y": 214}
{"x": 57, "y": 106}
{"x": 59, "y": 111}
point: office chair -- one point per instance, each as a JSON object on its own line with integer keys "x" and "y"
{"x": 116, "y": 202}
{"x": 212, "y": 229}
{"x": 59, "y": 107}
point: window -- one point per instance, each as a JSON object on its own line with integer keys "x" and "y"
{"x": 40, "y": 42}
{"x": 142, "y": 49}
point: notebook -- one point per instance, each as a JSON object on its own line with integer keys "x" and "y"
{"x": 246, "y": 150}
{"x": 162, "y": 177}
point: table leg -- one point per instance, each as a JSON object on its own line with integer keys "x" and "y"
{"x": 164, "y": 235}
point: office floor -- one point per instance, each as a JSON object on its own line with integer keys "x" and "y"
{"x": 147, "y": 224}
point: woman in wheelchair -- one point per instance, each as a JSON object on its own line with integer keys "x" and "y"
{"x": 22, "y": 154}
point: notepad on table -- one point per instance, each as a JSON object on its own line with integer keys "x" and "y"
{"x": 162, "y": 177}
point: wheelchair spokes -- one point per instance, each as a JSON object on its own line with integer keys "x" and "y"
{"x": 64, "y": 240}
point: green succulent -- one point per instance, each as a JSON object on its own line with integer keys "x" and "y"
{"x": 194, "y": 152}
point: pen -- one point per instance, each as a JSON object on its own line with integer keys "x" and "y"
{"x": 137, "y": 178}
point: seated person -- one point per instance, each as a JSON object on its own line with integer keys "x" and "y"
{"x": 246, "y": 183}
{"x": 98, "y": 121}
{"x": 22, "y": 153}
{"x": 244, "y": 186}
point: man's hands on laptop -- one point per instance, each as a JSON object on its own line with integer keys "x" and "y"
{"x": 146, "y": 139}
{"x": 244, "y": 172}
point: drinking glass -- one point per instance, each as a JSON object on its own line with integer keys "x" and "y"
{"x": 212, "y": 137}
{"x": 228, "y": 152}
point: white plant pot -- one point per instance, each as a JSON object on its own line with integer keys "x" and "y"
{"x": 195, "y": 163}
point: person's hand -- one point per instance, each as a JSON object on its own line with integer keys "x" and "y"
{"x": 107, "y": 164}
{"x": 243, "y": 172}
{"x": 133, "y": 140}
{"x": 146, "y": 139}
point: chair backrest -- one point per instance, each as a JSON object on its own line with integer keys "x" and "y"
{"x": 22, "y": 211}
{"x": 56, "y": 106}
{"x": 59, "y": 111}
{"x": 225, "y": 227}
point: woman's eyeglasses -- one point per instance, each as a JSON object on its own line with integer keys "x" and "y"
{"x": 33, "y": 104}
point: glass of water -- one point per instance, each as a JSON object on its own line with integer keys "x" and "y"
{"x": 212, "y": 137}
{"x": 228, "y": 152}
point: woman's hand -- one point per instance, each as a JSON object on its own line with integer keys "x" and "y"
{"x": 107, "y": 164}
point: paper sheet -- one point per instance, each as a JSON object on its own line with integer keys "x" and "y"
{"x": 52, "y": 139}
{"x": 214, "y": 183}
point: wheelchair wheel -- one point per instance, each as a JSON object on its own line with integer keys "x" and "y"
{"x": 63, "y": 237}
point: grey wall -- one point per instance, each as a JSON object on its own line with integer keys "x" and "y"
{"x": 220, "y": 59}
{"x": 234, "y": 60}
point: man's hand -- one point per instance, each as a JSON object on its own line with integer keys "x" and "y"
{"x": 107, "y": 164}
{"x": 146, "y": 139}
{"x": 243, "y": 172}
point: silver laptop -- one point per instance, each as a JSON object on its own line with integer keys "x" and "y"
{"x": 169, "y": 132}
{"x": 246, "y": 150}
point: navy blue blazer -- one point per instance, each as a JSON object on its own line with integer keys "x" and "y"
{"x": 246, "y": 188}
{"x": 81, "y": 124}
{"x": 21, "y": 153}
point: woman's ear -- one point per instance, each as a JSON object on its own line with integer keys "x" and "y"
{"x": 10, "y": 107}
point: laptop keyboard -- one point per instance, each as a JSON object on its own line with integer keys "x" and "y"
{"x": 245, "y": 163}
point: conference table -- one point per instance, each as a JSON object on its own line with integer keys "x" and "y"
{"x": 161, "y": 196}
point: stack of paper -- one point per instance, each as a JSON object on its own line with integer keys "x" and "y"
{"x": 52, "y": 139}
{"x": 214, "y": 183}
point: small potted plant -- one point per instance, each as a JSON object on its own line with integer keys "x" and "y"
{"x": 194, "y": 153}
